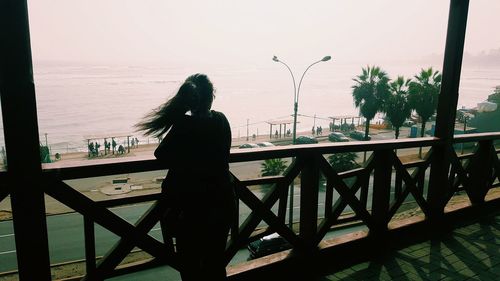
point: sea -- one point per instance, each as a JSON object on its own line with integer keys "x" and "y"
{"x": 81, "y": 101}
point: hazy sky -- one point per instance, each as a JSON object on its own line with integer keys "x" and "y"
{"x": 236, "y": 30}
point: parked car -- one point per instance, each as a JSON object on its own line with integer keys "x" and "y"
{"x": 248, "y": 145}
{"x": 337, "y": 137}
{"x": 408, "y": 123}
{"x": 267, "y": 245}
{"x": 359, "y": 135}
{"x": 265, "y": 144}
{"x": 305, "y": 140}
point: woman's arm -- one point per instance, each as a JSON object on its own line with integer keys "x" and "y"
{"x": 172, "y": 147}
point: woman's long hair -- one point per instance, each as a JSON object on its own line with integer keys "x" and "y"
{"x": 195, "y": 94}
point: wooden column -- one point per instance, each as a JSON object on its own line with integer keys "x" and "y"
{"x": 17, "y": 92}
{"x": 90, "y": 255}
{"x": 481, "y": 171}
{"x": 309, "y": 189}
{"x": 447, "y": 105}
{"x": 381, "y": 189}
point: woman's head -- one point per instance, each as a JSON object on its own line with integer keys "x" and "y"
{"x": 205, "y": 91}
{"x": 196, "y": 94}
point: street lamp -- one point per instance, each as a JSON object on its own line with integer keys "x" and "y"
{"x": 295, "y": 110}
{"x": 296, "y": 91}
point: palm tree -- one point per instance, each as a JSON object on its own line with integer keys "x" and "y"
{"x": 424, "y": 93}
{"x": 273, "y": 167}
{"x": 370, "y": 92}
{"x": 397, "y": 107}
{"x": 345, "y": 161}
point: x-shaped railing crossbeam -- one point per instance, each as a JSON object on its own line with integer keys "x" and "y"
{"x": 461, "y": 173}
{"x": 348, "y": 197}
{"x": 131, "y": 235}
{"x": 340, "y": 205}
{"x": 261, "y": 210}
{"x": 410, "y": 185}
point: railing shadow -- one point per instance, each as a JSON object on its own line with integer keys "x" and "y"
{"x": 469, "y": 252}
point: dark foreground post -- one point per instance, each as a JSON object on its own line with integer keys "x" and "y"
{"x": 447, "y": 106}
{"x": 17, "y": 94}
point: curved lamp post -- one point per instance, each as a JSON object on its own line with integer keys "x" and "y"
{"x": 296, "y": 91}
{"x": 295, "y": 110}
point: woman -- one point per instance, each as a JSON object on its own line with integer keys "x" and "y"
{"x": 197, "y": 187}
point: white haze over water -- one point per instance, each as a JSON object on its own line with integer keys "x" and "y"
{"x": 76, "y": 100}
{"x": 100, "y": 65}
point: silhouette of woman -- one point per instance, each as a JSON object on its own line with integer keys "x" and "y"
{"x": 197, "y": 187}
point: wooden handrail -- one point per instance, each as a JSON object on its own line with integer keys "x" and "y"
{"x": 476, "y": 137}
{"x": 103, "y": 167}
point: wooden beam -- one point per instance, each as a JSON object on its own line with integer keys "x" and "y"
{"x": 309, "y": 190}
{"x": 104, "y": 217}
{"x": 447, "y": 105}
{"x": 17, "y": 92}
{"x": 381, "y": 190}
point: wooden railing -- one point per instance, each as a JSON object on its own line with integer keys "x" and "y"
{"x": 383, "y": 174}
{"x": 475, "y": 173}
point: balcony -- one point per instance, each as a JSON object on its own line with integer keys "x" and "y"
{"x": 374, "y": 193}
{"x": 369, "y": 197}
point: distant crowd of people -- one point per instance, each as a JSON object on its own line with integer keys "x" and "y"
{"x": 318, "y": 130}
{"x": 110, "y": 147}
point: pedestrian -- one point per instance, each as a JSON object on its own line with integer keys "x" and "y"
{"x": 313, "y": 130}
{"x": 197, "y": 189}
{"x": 105, "y": 146}
{"x": 276, "y": 134}
{"x": 97, "y": 146}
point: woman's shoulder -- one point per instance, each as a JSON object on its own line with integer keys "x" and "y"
{"x": 218, "y": 115}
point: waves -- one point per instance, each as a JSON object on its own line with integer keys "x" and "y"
{"x": 75, "y": 101}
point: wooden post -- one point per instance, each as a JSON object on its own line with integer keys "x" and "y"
{"x": 447, "y": 105}
{"x": 17, "y": 92}
{"x": 309, "y": 189}
{"x": 481, "y": 172}
{"x": 90, "y": 260}
{"x": 398, "y": 188}
{"x": 381, "y": 189}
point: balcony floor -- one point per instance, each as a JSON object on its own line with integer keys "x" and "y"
{"x": 470, "y": 252}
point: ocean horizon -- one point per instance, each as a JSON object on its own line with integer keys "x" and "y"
{"x": 80, "y": 101}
